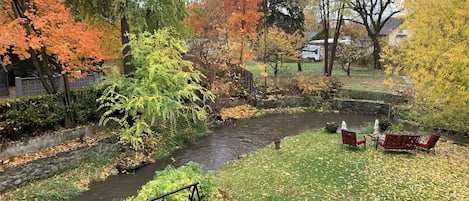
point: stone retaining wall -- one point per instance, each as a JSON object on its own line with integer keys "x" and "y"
{"x": 292, "y": 101}
{"x": 55, "y": 138}
{"x": 361, "y": 106}
{"x": 371, "y": 95}
{"x": 17, "y": 176}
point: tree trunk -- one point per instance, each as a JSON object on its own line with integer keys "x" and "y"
{"x": 299, "y": 65}
{"x": 325, "y": 24}
{"x": 348, "y": 69}
{"x": 69, "y": 119}
{"x": 276, "y": 70}
{"x": 127, "y": 57}
{"x": 376, "y": 52}
{"x": 336, "y": 38}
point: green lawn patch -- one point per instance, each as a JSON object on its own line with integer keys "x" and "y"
{"x": 315, "y": 166}
{"x": 361, "y": 78}
{"x": 310, "y": 166}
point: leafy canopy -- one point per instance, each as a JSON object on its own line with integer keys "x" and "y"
{"x": 45, "y": 30}
{"x": 242, "y": 23}
{"x": 163, "y": 88}
{"x": 435, "y": 58}
{"x": 279, "y": 45}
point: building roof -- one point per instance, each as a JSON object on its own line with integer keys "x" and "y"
{"x": 391, "y": 24}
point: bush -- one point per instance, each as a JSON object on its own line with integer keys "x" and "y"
{"x": 85, "y": 106}
{"x": 366, "y": 60}
{"x": 171, "y": 179}
{"x": 32, "y": 114}
{"x": 318, "y": 85}
{"x": 331, "y": 127}
{"x": 384, "y": 124}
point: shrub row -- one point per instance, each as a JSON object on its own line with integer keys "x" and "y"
{"x": 27, "y": 116}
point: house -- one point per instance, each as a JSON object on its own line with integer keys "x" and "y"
{"x": 393, "y": 32}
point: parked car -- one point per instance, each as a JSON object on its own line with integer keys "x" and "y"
{"x": 312, "y": 52}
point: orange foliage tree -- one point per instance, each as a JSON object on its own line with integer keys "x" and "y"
{"x": 242, "y": 22}
{"x": 230, "y": 21}
{"x": 46, "y": 32}
{"x": 208, "y": 18}
{"x": 224, "y": 31}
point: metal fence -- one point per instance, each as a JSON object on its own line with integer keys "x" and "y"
{"x": 193, "y": 191}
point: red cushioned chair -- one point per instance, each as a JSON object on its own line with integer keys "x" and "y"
{"x": 431, "y": 142}
{"x": 350, "y": 138}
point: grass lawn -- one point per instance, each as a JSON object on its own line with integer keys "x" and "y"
{"x": 362, "y": 78}
{"x": 315, "y": 166}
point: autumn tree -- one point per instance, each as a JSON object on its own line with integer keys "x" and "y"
{"x": 243, "y": 16}
{"x": 435, "y": 59}
{"x": 279, "y": 47}
{"x": 373, "y": 14}
{"x": 346, "y": 55}
{"x": 356, "y": 32}
{"x": 223, "y": 38}
{"x": 45, "y": 32}
{"x": 209, "y": 45}
{"x": 311, "y": 22}
{"x": 208, "y": 19}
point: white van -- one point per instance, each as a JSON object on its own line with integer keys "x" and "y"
{"x": 312, "y": 52}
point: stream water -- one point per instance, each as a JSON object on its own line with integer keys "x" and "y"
{"x": 222, "y": 145}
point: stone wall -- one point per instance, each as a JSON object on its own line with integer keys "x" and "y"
{"x": 17, "y": 176}
{"x": 291, "y": 101}
{"x": 54, "y": 138}
{"x": 361, "y": 106}
{"x": 371, "y": 95}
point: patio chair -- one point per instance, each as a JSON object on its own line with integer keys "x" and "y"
{"x": 431, "y": 142}
{"x": 350, "y": 138}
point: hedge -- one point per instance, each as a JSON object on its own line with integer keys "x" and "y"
{"x": 27, "y": 116}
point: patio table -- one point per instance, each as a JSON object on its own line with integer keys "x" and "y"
{"x": 376, "y": 138}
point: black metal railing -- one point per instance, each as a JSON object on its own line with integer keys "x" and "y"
{"x": 192, "y": 189}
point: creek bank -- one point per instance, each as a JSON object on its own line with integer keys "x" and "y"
{"x": 17, "y": 176}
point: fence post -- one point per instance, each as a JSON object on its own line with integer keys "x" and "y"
{"x": 19, "y": 87}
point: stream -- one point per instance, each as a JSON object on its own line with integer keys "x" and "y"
{"x": 222, "y": 145}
